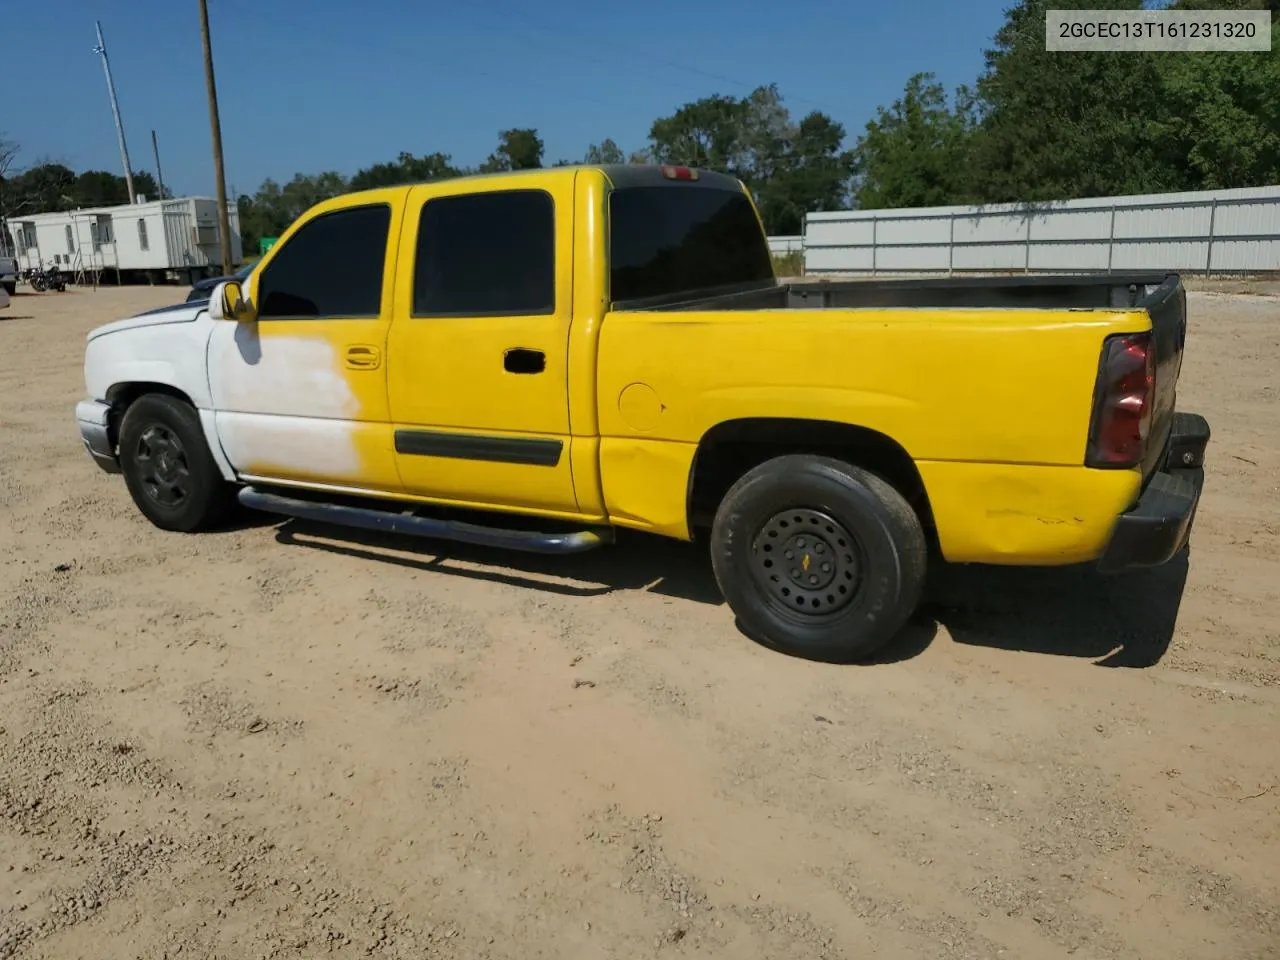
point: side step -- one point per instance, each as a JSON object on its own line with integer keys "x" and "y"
{"x": 367, "y": 518}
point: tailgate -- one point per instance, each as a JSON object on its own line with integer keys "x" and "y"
{"x": 1166, "y": 303}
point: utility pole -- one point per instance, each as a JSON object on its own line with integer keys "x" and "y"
{"x": 155, "y": 148}
{"x": 224, "y": 222}
{"x": 101, "y": 50}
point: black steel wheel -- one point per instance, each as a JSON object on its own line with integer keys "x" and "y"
{"x": 162, "y": 466}
{"x": 818, "y": 558}
{"x": 807, "y": 562}
{"x": 167, "y": 466}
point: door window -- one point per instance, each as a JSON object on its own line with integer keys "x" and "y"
{"x": 486, "y": 255}
{"x": 332, "y": 267}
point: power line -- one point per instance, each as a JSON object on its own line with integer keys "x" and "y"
{"x": 558, "y": 30}
{"x": 417, "y": 58}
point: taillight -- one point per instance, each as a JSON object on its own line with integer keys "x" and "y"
{"x": 679, "y": 173}
{"x": 1122, "y": 402}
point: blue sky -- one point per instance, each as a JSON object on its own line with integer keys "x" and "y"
{"x": 310, "y": 85}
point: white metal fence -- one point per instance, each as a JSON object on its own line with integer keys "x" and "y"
{"x": 780, "y": 246}
{"x": 1215, "y": 231}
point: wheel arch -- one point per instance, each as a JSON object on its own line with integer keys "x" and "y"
{"x": 123, "y": 394}
{"x": 731, "y": 448}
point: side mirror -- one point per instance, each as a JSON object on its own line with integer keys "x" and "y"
{"x": 228, "y": 302}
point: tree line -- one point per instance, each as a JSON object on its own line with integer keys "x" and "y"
{"x": 47, "y": 187}
{"x": 793, "y": 168}
{"x": 1040, "y": 126}
{"x": 1033, "y": 126}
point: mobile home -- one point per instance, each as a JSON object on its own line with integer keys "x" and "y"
{"x": 158, "y": 240}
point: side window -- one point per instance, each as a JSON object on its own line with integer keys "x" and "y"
{"x": 142, "y": 235}
{"x": 486, "y": 254}
{"x": 332, "y": 267}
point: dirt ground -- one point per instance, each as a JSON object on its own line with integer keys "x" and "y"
{"x": 287, "y": 741}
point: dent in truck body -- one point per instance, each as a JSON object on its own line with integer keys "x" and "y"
{"x": 646, "y": 482}
{"x": 1029, "y": 515}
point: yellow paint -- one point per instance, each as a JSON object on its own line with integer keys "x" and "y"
{"x": 640, "y": 407}
{"x": 992, "y": 404}
{"x": 585, "y": 461}
{"x": 1012, "y": 386}
{"x": 645, "y": 484}
{"x": 1025, "y": 515}
{"x": 446, "y": 374}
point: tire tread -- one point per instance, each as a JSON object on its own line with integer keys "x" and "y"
{"x": 904, "y": 548}
{"x": 212, "y": 500}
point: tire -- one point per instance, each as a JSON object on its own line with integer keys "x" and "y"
{"x": 11, "y": 288}
{"x": 168, "y": 468}
{"x": 859, "y": 552}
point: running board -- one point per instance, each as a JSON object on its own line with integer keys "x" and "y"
{"x": 384, "y": 521}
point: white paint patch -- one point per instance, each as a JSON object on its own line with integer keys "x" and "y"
{"x": 291, "y": 447}
{"x": 284, "y": 406}
{"x": 146, "y": 350}
{"x": 209, "y": 424}
{"x": 286, "y": 376}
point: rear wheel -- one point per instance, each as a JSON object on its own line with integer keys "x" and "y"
{"x": 818, "y": 558}
{"x": 167, "y": 466}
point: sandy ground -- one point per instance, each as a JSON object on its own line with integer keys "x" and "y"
{"x": 282, "y": 741}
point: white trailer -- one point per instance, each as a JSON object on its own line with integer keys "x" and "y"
{"x": 157, "y": 240}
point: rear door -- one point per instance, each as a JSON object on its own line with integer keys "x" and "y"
{"x": 478, "y": 351}
{"x": 300, "y": 394}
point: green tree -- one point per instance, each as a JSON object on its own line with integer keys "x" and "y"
{"x": 814, "y": 176}
{"x": 604, "y": 152}
{"x": 405, "y": 169}
{"x": 518, "y": 149}
{"x": 915, "y": 152}
{"x": 42, "y": 188}
{"x": 100, "y": 188}
{"x": 1223, "y": 112}
{"x": 706, "y": 133}
{"x": 791, "y": 169}
{"x": 269, "y": 212}
{"x": 1059, "y": 125}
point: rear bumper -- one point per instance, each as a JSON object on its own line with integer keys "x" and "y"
{"x": 1158, "y": 525}
{"x": 94, "y": 420}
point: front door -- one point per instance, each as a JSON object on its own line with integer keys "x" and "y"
{"x": 478, "y": 351}
{"x": 300, "y": 394}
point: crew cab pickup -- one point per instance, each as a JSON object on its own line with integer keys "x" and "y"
{"x": 570, "y": 351}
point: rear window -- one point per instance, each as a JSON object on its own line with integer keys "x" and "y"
{"x": 670, "y": 240}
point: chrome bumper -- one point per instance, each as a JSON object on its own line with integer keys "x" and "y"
{"x": 94, "y": 420}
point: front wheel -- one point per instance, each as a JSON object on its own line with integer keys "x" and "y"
{"x": 167, "y": 466}
{"x": 818, "y": 558}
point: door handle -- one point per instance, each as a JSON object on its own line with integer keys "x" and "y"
{"x": 523, "y": 360}
{"x": 361, "y": 356}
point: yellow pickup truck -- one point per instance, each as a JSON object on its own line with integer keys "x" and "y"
{"x": 574, "y": 350}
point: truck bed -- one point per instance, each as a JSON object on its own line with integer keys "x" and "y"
{"x": 1045, "y": 292}
{"x": 1161, "y": 295}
